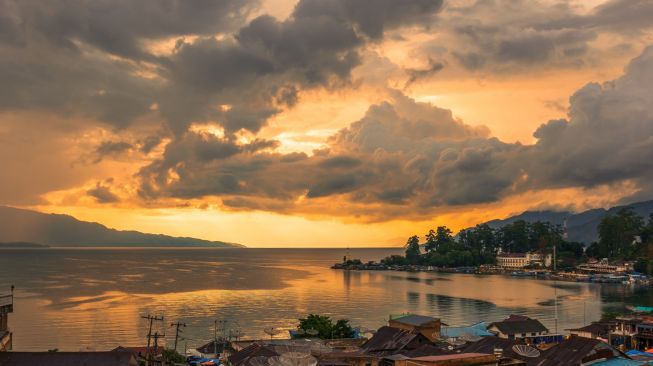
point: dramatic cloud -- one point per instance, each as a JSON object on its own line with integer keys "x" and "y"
{"x": 417, "y": 157}
{"x": 608, "y": 137}
{"x": 196, "y": 100}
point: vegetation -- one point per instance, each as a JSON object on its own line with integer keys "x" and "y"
{"x": 623, "y": 236}
{"x": 480, "y": 245}
{"x": 325, "y": 327}
{"x": 172, "y": 355}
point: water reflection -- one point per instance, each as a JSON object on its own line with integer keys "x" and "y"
{"x": 75, "y": 299}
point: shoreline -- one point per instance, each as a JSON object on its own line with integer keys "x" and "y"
{"x": 537, "y": 274}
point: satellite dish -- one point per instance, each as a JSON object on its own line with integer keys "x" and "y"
{"x": 312, "y": 332}
{"x": 271, "y": 331}
{"x": 525, "y": 350}
{"x": 236, "y": 333}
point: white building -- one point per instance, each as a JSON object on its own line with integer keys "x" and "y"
{"x": 521, "y": 260}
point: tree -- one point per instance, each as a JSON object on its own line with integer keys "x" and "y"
{"x": 431, "y": 241}
{"x": 325, "y": 327}
{"x": 412, "y": 250}
{"x": 342, "y": 329}
{"x": 435, "y": 239}
{"x": 394, "y": 260}
{"x": 321, "y": 323}
{"x": 617, "y": 234}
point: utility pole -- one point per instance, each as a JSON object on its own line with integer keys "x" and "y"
{"x": 156, "y": 336}
{"x": 177, "y": 325}
{"x": 149, "y": 334}
{"x": 215, "y": 333}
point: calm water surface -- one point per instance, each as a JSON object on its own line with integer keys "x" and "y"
{"x": 77, "y": 299}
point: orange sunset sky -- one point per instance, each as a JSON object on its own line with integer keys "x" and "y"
{"x": 323, "y": 122}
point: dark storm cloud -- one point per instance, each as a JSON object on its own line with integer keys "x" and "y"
{"x": 95, "y": 59}
{"x": 417, "y": 157}
{"x": 111, "y": 148}
{"x": 119, "y": 27}
{"x": 509, "y": 36}
{"x": 402, "y": 153}
{"x": 373, "y": 17}
{"x": 262, "y": 68}
{"x": 103, "y": 194}
{"x": 607, "y": 136}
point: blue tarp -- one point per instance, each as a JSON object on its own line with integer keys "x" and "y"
{"x": 619, "y": 362}
{"x": 478, "y": 330}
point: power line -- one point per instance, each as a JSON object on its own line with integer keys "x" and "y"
{"x": 177, "y": 331}
{"x": 149, "y": 334}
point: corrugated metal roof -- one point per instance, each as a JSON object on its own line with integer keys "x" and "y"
{"x": 249, "y": 352}
{"x": 412, "y": 319}
{"x": 388, "y": 339}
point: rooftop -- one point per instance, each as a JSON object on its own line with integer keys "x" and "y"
{"x": 416, "y": 320}
{"x": 516, "y": 324}
{"x": 390, "y": 339}
{"x": 242, "y": 357}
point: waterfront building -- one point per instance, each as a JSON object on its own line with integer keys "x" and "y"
{"x": 426, "y": 325}
{"x": 520, "y": 327}
{"x": 595, "y": 330}
{"x": 6, "y": 307}
{"x": 623, "y": 331}
{"x": 644, "y": 334}
{"x": 521, "y": 260}
{"x": 67, "y": 359}
{"x": 604, "y": 266}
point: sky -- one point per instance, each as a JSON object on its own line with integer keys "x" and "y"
{"x": 323, "y": 122}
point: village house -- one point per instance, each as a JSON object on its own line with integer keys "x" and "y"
{"x": 390, "y": 340}
{"x": 519, "y": 327}
{"x": 426, "y": 325}
{"x": 575, "y": 351}
{"x": 6, "y": 307}
{"x": 521, "y": 260}
{"x": 595, "y": 330}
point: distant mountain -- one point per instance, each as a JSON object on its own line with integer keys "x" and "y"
{"x": 17, "y": 225}
{"x": 21, "y": 244}
{"x": 580, "y": 226}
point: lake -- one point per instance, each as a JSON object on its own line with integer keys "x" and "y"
{"x": 93, "y": 299}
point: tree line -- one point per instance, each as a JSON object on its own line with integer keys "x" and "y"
{"x": 622, "y": 236}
